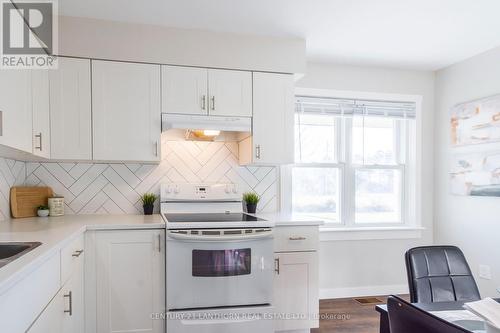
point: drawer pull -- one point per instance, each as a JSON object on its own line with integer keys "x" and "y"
{"x": 300, "y": 238}
{"x": 76, "y": 254}
{"x": 277, "y": 265}
{"x": 70, "y": 310}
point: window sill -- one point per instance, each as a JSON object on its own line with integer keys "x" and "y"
{"x": 329, "y": 233}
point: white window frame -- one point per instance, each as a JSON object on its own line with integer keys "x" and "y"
{"x": 410, "y": 226}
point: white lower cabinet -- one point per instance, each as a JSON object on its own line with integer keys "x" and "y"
{"x": 65, "y": 312}
{"x": 73, "y": 299}
{"x": 296, "y": 283}
{"x": 129, "y": 277}
{"x": 52, "y": 318}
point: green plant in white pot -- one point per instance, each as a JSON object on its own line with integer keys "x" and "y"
{"x": 42, "y": 211}
{"x": 251, "y": 200}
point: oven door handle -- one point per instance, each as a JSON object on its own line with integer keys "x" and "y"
{"x": 223, "y": 238}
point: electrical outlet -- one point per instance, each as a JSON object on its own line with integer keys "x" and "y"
{"x": 485, "y": 272}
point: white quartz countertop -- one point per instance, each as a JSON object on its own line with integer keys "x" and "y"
{"x": 282, "y": 219}
{"x": 54, "y": 233}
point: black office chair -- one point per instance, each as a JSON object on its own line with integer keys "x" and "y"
{"x": 439, "y": 274}
{"x": 406, "y": 318}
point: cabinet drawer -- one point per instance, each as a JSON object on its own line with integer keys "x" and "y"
{"x": 296, "y": 239}
{"x": 71, "y": 255}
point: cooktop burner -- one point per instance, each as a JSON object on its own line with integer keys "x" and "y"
{"x": 211, "y": 217}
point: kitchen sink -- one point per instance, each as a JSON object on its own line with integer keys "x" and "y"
{"x": 11, "y": 251}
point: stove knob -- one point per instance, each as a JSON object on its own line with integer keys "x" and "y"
{"x": 176, "y": 190}
{"x": 227, "y": 189}
{"x": 235, "y": 190}
{"x": 169, "y": 189}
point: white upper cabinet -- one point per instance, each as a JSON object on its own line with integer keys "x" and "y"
{"x": 230, "y": 93}
{"x": 273, "y": 112}
{"x": 41, "y": 113}
{"x": 16, "y": 114}
{"x": 201, "y": 91}
{"x": 70, "y": 110}
{"x": 126, "y": 111}
{"x": 184, "y": 90}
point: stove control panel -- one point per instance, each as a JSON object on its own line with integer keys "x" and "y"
{"x": 200, "y": 192}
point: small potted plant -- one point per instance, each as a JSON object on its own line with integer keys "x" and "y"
{"x": 42, "y": 211}
{"x": 148, "y": 201}
{"x": 251, "y": 200}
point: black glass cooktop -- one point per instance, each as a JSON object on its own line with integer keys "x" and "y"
{"x": 211, "y": 217}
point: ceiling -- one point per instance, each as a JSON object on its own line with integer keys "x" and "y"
{"x": 414, "y": 34}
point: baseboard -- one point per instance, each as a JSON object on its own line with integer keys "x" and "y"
{"x": 363, "y": 291}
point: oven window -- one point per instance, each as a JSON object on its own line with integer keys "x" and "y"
{"x": 213, "y": 263}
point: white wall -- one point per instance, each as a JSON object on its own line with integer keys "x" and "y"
{"x": 472, "y": 223}
{"x": 100, "y": 39}
{"x": 364, "y": 267}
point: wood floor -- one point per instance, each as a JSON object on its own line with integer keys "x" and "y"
{"x": 346, "y": 315}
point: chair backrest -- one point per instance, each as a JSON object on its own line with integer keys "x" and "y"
{"x": 439, "y": 274}
{"x": 406, "y": 318}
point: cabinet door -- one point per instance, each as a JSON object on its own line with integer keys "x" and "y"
{"x": 184, "y": 90}
{"x": 296, "y": 289}
{"x": 70, "y": 110}
{"x": 16, "y": 114}
{"x": 41, "y": 117}
{"x": 73, "y": 294}
{"x": 52, "y": 318}
{"x": 230, "y": 93}
{"x": 126, "y": 111}
{"x": 130, "y": 281}
{"x": 273, "y": 112}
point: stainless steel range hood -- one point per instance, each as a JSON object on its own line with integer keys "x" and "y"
{"x": 202, "y": 122}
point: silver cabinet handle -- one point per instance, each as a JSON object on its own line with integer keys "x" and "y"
{"x": 300, "y": 238}
{"x": 1, "y": 123}
{"x": 69, "y": 295}
{"x": 277, "y": 265}
{"x": 156, "y": 148}
{"x": 159, "y": 243}
{"x": 204, "y": 102}
{"x": 76, "y": 254}
{"x": 212, "y": 101}
{"x": 39, "y": 136}
{"x": 257, "y": 152}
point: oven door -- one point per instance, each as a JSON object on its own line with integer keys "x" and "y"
{"x": 219, "y": 268}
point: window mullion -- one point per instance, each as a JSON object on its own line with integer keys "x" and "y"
{"x": 348, "y": 176}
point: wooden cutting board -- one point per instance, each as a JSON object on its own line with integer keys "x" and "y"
{"x": 25, "y": 200}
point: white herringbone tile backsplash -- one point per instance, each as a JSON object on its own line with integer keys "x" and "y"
{"x": 12, "y": 173}
{"x": 95, "y": 188}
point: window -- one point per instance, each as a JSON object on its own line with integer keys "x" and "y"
{"x": 354, "y": 161}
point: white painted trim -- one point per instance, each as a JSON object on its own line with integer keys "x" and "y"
{"x": 395, "y": 289}
{"x": 346, "y": 234}
{"x": 351, "y": 94}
